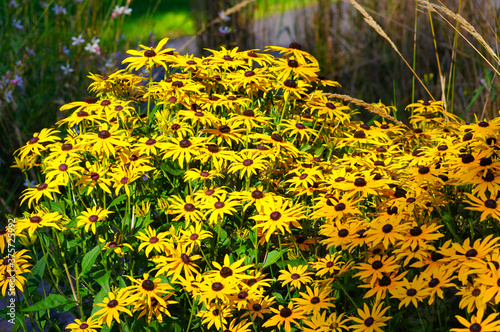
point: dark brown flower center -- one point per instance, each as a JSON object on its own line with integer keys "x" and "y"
{"x": 151, "y": 141}
{"x": 217, "y": 286}
{"x": 411, "y": 292}
{"x": 293, "y": 63}
{"x": 213, "y": 148}
{"x": 247, "y": 162}
{"x": 249, "y": 113}
{"x": 476, "y": 327}
{"x": 91, "y": 100}
{"x": 148, "y": 285}
{"x": 490, "y": 204}
{"x": 185, "y": 143}
{"x": 42, "y": 186}
{"x": 249, "y": 73}
{"x": 257, "y": 194}
{"x": 359, "y": 134}
{"x": 189, "y": 207}
{"x": 290, "y": 84}
{"x": 219, "y": 205}
{"x": 275, "y": 215}
{"x": 434, "y": 282}
{"x": 185, "y": 259}
{"x": 387, "y": 228}
{"x": 66, "y": 147}
{"x": 369, "y": 321}
{"x": 340, "y": 207}
{"x": 149, "y": 53}
{"x": 315, "y": 300}
{"x": 295, "y": 276}
{"x": 343, "y": 232}
{"x": 377, "y": 265}
{"x": 93, "y": 218}
{"x": 226, "y": 272}
{"x": 415, "y": 231}
{"x": 153, "y": 239}
{"x": 256, "y": 307}
{"x": 112, "y": 303}
{"x": 63, "y": 167}
{"x": 84, "y": 326}
{"x": 285, "y": 312}
{"x": 360, "y": 182}
{"x": 277, "y": 138}
{"x": 194, "y": 237}
{"x": 35, "y": 219}
{"x": 424, "y": 170}
{"x": 94, "y": 176}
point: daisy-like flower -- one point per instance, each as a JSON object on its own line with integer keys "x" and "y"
{"x": 194, "y": 235}
{"x": 477, "y": 324}
{"x": 38, "y": 219}
{"x": 242, "y": 326}
{"x": 106, "y": 140}
{"x": 93, "y": 177}
{"x": 147, "y": 289}
{"x": 248, "y": 165}
{"x": 179, "y": 260}
{"x": 377, "y": 267}
{"x": 295, "y": 276}
{"x": 440, "y": 278}
{"x": 389, "y": 282}
{"x": 285, "y": 316}
{"x": 188, "y": 209}
{"x": 182, "y": 150}
{"x": 60, "y": 169}
{"x": 215, "y": 315}
{"x": 216, "y": 156}
{"x": 218, "y": 207}
{"x": 488, "y": 207}
{"x": 89, "y": 325}
{"x": 314, "y": 300}
{"x": 38, "y": 142}
{"x": 113, "y": 305}
{"x": 277, "y": 214}
{"x": 44, "y": 189}
{"x": 370, "y": 320}
{"x": 91, "y": 216}
{"x": 257, "y": 308}
{"x": 388, "y": 231}
{"x": 473, "y": 296}
{"x": 150, "y": 57}
{"x": 411, "y": 292}
{"x": 152, "y": 240}
{"x": 231, "y": 271}
{"x": 216, "y": 288}
{"x": 116, "y": 244}
{"x": 155, "y": 308}
{"x": 331, "y": 264}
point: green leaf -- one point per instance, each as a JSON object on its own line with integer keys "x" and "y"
{"x": 89, "y": 258}
{"x": 117, "y": 200}
{"x": 103, "y": 281}
{"x": 272, "y": 258}
{"x": 50, "y": 302}
{"x": 39, "y": 267}
{"x": 296, "y": 262}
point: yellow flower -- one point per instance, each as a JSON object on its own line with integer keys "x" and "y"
{"x": 150, "y": 57}
{"x": 43, "y": 189}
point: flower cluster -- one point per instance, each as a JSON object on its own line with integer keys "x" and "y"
{"x": 234, "y": 193}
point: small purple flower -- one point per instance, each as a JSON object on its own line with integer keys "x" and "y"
{"x": 145, "y": 177}
{"x": 17, "y": 24}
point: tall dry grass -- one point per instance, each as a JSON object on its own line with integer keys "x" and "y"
{"x": 451, "y": 46}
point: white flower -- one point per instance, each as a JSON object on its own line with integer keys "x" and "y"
{"x": 59, "y": 10}
{"x": 77, "y": 40}
{"x": 17, "y": 24}
{"x": 223, "y": 16}
{"x": 93, "y": 46}
{"x": 123, "y": 10}
{"x": 67, "y": 69}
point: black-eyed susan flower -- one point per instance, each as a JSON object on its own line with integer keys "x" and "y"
{"x": 314, "y": 300}
{"x": 150, "y": 57}
{"x": 411, "y": 292}
{"x": 188, "y": 209}
{"x": 38, "y": 142}
{"x": 113, "y": 305}
{"x": 488, "y": 207}
{"x": 180, "y": 259}
{"x": 242, "y": 326}
{"x": 94, "y": 176}
{"x": 478, "y": 324}
{"x": 247, "y": 165}
{"x": 89, "y": 325}
{"x": 215, "y": 288}
{"x": 182, "y": 150}
{"x": 215, "y": 315}
{"x": 277, "y": 215}
{"x": 389, "y": 282}
{"x": 151, "y": 240}
{"x": 370, "y": 320}
{"x": 91, "y": 216}
{"x": 62, "y": 169}
{"x": 231, "y": 271}
{"x": 377, "y": 267}
{"x": 296, "y": 276}
{"x": 472, "y": 296}
{"x": 155, "y": 308}
{"x": 257, "y": 308}
{"x": 45, "y": 189}
{"x": 147, "y": 289}
{"x": 216, "y": 207}
{"x": 285, "y": 316}
{"x": 39, "y": 219}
